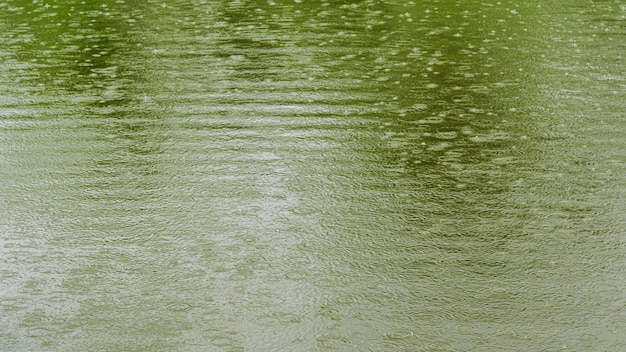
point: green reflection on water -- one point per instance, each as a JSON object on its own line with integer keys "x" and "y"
{"x": 325, "y": 175}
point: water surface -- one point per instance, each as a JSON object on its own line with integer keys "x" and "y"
{"x": 312, "y": 176}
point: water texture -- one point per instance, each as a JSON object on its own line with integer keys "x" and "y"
{"x": 184, "y": 175}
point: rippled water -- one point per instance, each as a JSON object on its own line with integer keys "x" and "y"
{"x": 312, "y": 175}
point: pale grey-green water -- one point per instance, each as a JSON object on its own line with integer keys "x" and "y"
{"x": 186, "y": 175}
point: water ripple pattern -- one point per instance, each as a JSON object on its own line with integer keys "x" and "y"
{"x": 284, "y": 175}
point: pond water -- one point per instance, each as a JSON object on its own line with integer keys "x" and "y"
{"x": 182, "y": 175}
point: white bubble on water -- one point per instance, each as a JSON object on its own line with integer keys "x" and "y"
{"x": 420, "y": 106}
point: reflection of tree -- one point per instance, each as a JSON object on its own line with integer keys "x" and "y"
{"x": 78, "y": 48}
{"x": 248, "y": 41}
{"x": 84, "y": 60}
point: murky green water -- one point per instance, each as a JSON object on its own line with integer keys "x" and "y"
{"x": 186, "y": 175}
